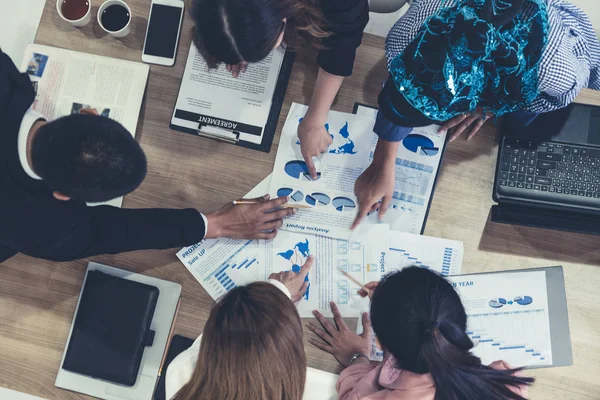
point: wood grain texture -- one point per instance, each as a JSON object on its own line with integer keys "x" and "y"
{"x": 38, "y": 298}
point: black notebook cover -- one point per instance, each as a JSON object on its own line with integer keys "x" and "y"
{"x": 179, "y": 344}
{"x": 111, "y": 329}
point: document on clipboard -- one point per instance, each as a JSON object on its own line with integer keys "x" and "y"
{"x": 242, "y": 110}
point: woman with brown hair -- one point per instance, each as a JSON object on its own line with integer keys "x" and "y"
{"x": 251, "y": 346}
{"x": 238, "y": 32}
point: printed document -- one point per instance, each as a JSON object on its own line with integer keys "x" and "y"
{"x": 219, "y": 104}
{"x": 331, "y": 195}
{"x": 417, "y": 163}
{"x": 406, "y": 249}
{"x": 65, "y": 82}
{"x": 507, "y": 317}
{"x": 362, "y": 258}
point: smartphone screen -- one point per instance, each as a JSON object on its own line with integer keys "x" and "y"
{"x": 163, "y": 29}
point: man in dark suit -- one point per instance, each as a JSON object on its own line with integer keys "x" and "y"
{"x": 49, "y": 170}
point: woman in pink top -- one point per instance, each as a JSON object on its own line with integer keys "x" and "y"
{"x": 421, "y": 324}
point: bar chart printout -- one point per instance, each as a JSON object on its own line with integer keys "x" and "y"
{"x": 222, "y": 264}
{"x": 507, "y": 317}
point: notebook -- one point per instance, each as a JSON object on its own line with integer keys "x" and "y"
{"x": 112, "y": 328}
{"x": 112, "y": 353}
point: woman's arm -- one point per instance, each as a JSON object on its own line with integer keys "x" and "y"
{"x": 314, "y": 138}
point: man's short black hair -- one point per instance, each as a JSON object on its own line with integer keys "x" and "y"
{"x": 88, "y": 158}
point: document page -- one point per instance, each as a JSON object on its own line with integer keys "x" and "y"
{"x": 362, "y": 257}
{"x": 217, "y": 101}
{"x": 507, "y": 316}
{"x": 221, "y": 264}
{"x": 66, "y": 82}
{"x": 417, "y": 162}
{"x": 406, "y": 249}
{"x": 331, "y": 196}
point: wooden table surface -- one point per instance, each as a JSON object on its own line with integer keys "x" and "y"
{"x": 38, "y": 298}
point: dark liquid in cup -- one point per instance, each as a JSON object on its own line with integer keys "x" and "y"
{"x": 115, "y": 17}
{"x": 74, "y": 9}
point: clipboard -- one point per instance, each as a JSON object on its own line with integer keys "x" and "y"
{"x": 558, "y": 313}
{"x": 437, "y": 173}
{"x": 269, "y": 129}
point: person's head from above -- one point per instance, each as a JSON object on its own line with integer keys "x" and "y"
{"x": 420, "y": 321}
{"x": 87, "y": 157}
{"x": 251, "y": 348}
{"x": 466, "y": 56}
{"x": 246, "y": 31}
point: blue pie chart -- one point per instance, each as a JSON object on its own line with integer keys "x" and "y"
{"x": 318, "y": 198}
{"x": 420, "y": 144}
{"x": 497, "y": 303}
{"x": 343, "y": 204}
{"x": 296, "y": 169}
{"x": 284, "y": 192}
{"x": 523, "y": 300}
{"x": 297, "y": 196}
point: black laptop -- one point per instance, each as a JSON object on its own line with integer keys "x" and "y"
{"x": 548, "y": 172}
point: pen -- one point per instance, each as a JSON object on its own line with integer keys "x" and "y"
{"x": 353, "y": 279}
{"x": 287, "y": 205}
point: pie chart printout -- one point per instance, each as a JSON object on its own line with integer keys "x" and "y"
{"x": 497, "y": 303}
{"x": 296, "y": 169}
{"x": 284, "y": 192}
{"x": 420, "y": 145}
{"x": 343, "y": 204}
{"x": 523, "y": 300}
{"x": 318, "y": 199}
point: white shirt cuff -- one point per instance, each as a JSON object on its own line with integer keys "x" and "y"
{"x": 281, "y": 287}
{"x": 205, "y": 224}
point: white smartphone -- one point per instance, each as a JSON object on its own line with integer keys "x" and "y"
{"x": 162, "y": 33}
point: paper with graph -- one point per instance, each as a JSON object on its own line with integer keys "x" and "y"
{"x": 507, "y": 316}
{"x": 406, "y": 249}
{"x": 331, "y": 195}
{"x": 417, "y": 162}
{"x": 363, "y": 258}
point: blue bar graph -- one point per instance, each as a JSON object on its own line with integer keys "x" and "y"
{"x": 512, "y": 347}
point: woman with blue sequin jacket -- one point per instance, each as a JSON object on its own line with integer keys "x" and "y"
{"x": 459, "y": 62}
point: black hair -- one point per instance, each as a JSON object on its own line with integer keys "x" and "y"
{"x": 419, "y": 319}
{"x": 88, "y": 158}
{"x": 235, "y": 31}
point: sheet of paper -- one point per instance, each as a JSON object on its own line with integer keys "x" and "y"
{"x": 66, "y": 82}
{"x": 222, "y": 264}
{"x": 507, "y": 316}
{"x": 332, "y": 194}
{"x": 362, "y": 257}
{"x": 222, "y": 103}
{"x": 417, "y": 163}
{"x": 406, "y": 249}
{"x": 441, "y": 255}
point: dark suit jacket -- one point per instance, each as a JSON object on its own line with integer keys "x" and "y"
{"x": 33, "y": 222}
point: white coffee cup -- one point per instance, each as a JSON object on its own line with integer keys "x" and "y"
{"x": 81, "y": 21}
{"x": 125, "y": 30}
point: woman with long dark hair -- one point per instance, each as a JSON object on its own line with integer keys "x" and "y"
{"x": 251, "y": 347}
{"x": 460, "y": 62}
{"x": 238, "y": 32}
{"x": 421, "y": 325}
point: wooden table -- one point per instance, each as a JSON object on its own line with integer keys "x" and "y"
{"x": 38, "y": 298}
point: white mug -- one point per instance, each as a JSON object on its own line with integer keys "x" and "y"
{"x": 123, "y": 32}
{"x": 81, "y": 21}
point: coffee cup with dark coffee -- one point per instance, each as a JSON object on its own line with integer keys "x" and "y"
{"x": 114, "y": 16}
{"x": 76, "y": 12}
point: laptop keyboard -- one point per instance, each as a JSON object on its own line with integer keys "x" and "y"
{"x": 550, "y": 171}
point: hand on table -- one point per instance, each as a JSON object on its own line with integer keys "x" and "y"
{"x": 295, "y": 282}
{"x": 248, "y": 221}
{"x": 374, "y": 185}
{"x": 473, "y": 120}
{"x": 314, "y": 141}
{"x": 237, "y": 69}
{"x": 338, "y": 340}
